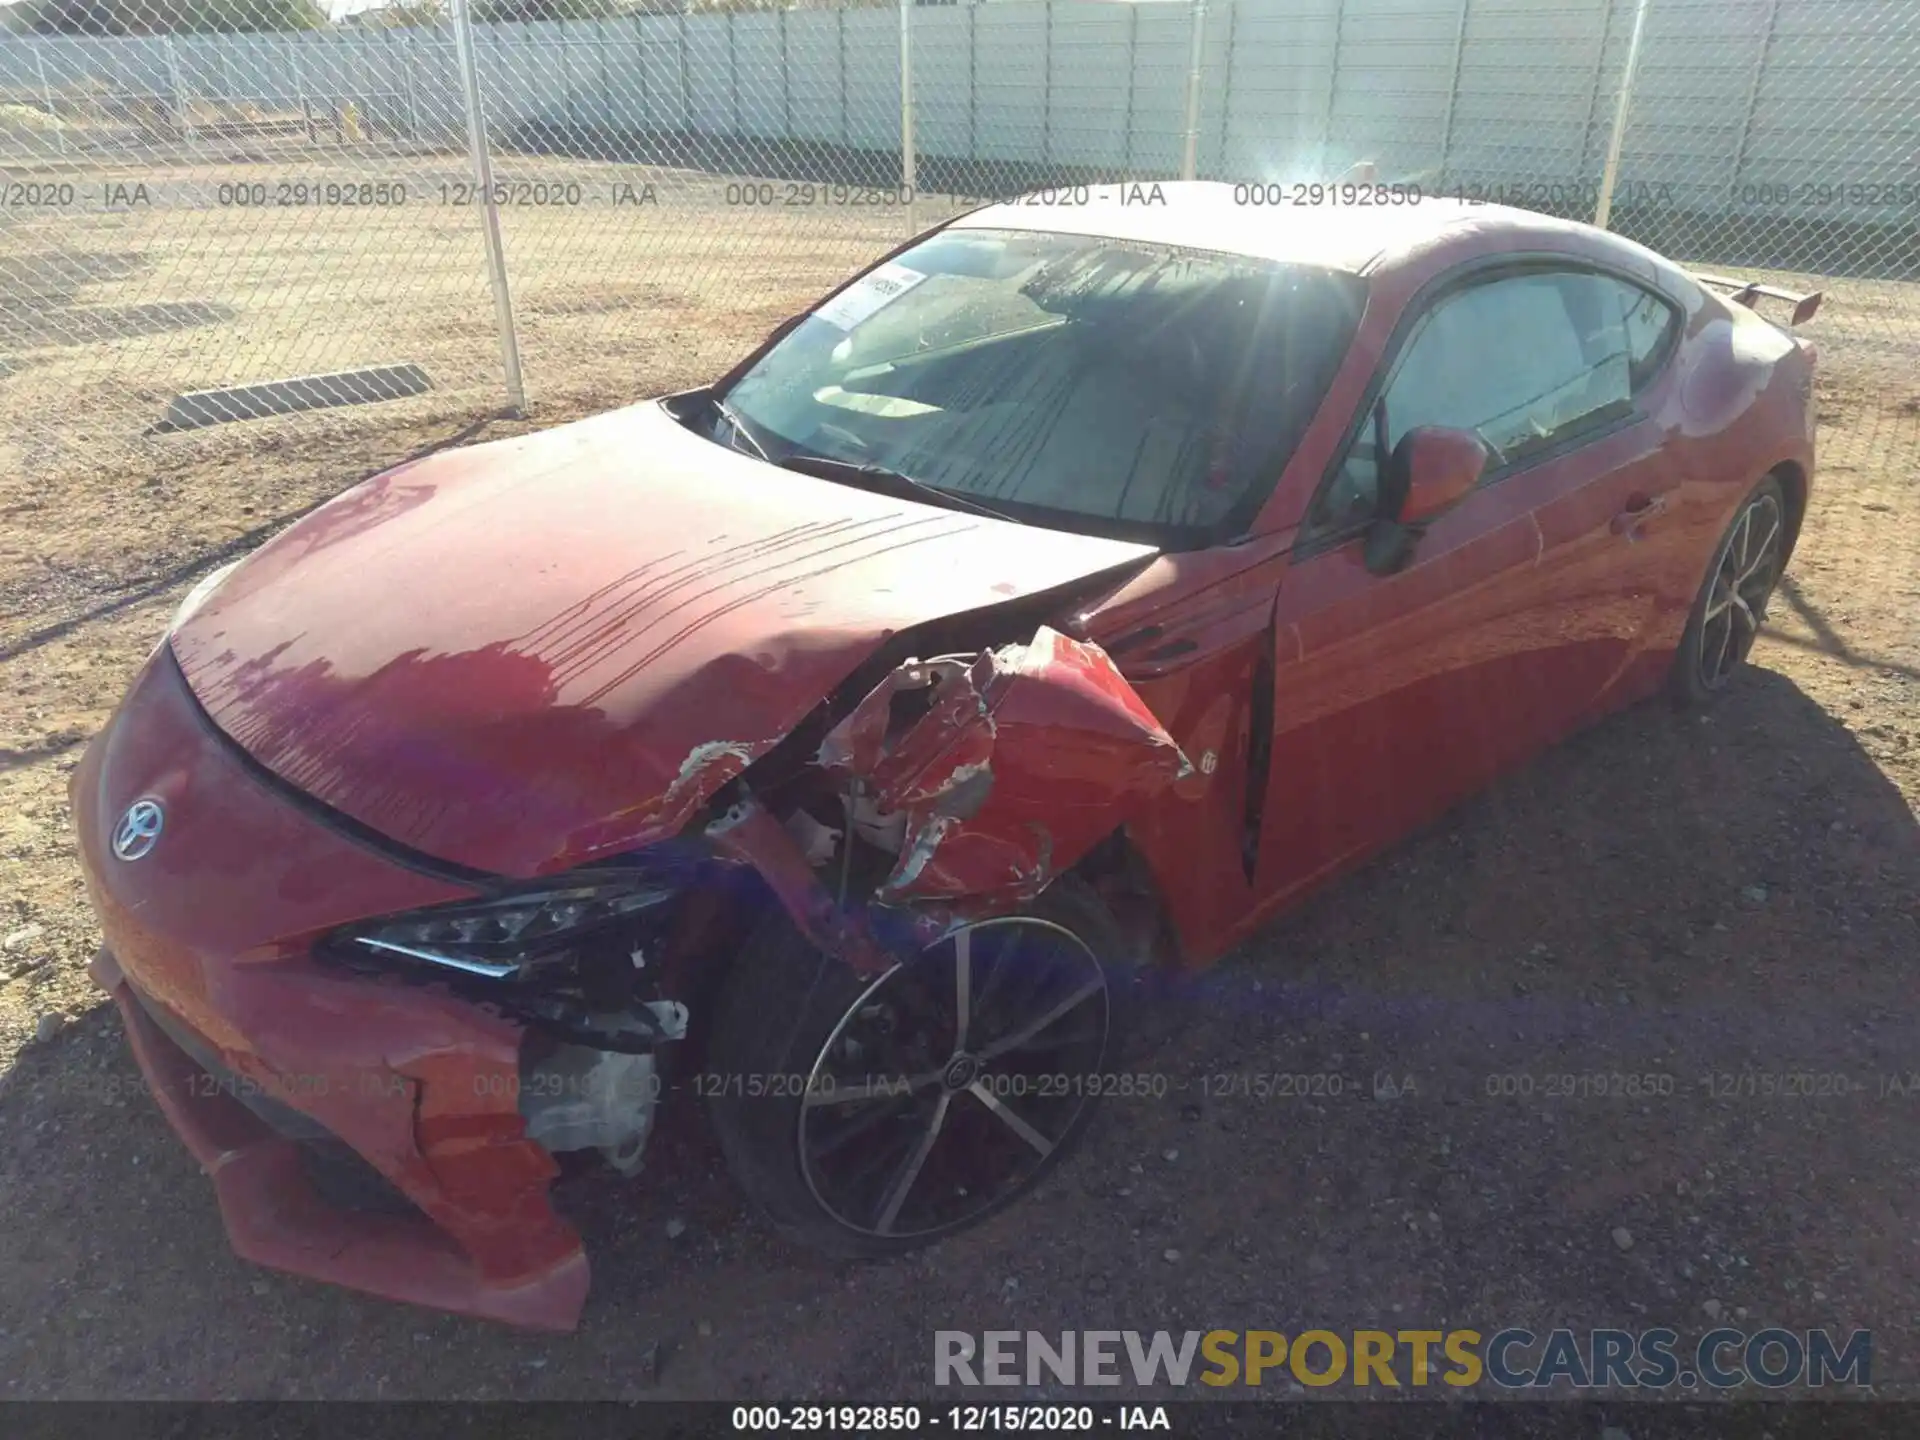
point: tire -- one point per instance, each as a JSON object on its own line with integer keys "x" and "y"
{"x": 803, "y": 1050}
{"x": 1732, "y": 603}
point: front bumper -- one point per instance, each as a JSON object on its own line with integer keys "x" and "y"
{"x": 214, "y": 930}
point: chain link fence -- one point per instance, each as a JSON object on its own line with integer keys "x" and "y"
{"x": 1779, "y": 140}
{"x": 448, "y": 216}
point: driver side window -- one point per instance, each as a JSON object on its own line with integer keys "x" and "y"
{"x": 1523, "y": 361}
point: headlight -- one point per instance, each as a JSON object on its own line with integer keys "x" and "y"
{"x": 199, "y": 595}
{"x": 496, "y": 937}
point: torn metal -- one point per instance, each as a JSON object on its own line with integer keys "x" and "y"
{"x": 982, "y": 776}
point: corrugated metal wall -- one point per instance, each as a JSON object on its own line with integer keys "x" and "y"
{"x": 1734, "y": 97}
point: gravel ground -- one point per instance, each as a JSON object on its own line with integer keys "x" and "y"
{"x": 1728, "y": 896}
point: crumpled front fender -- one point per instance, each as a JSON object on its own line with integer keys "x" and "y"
{"x": 1024, "y": 760}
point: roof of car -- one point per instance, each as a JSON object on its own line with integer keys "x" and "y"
{"x": 1214, "y": 215}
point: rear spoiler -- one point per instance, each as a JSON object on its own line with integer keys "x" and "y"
{"x": 1747, "y": 292}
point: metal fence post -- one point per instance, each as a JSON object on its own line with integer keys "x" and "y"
{"x": 1753, "y": 95}
{"x": 1453, "y": 92}
{"x": 1046, "y": 96}
{"x": 733, "y": 72}
{"x": 46, "y": 98}
{"x": 182, "y": 117}
{"x": 1331, "y": 103}
{"x": 1190, "y": 160}
{"x": 973, "y": 84}
{"x": 603, "y": 92}
{"x": 907, "y": 179}
{"x": 489, "y": 212}
{"x": 407, "y": 64}
{"x": 639, "y": 24}
{"x": 687, "y": 126}
{"x": 1226, "y": 91}
{"x": 1604, "y": 209}
{"x": 565, "y": 46}
{"x": 297, "y": 77}
{"x": 786, "y": 84}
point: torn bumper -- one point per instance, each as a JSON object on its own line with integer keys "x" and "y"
{"x": 274, "y": 1217}
{"x": 212, "y": 930}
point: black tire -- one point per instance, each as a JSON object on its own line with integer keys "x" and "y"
{"x": 1732, "y": 604}
{"x": 793, "y": 1025}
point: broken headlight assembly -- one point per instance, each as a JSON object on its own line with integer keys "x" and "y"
{"x": 573, "y": 961}
{"x": 499, "y": 938}
{"x": 573, "y": 958}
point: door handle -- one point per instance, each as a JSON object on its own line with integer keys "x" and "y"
{"x": 1639, "y": 510}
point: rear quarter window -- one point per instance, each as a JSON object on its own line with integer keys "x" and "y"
{"x": 1652, "y": 327}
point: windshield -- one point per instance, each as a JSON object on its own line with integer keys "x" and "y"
{"x": 1108, "y": 386}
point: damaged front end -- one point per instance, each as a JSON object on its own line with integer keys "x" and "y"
{"x": 472, "y": 1031}
{"x": 956, "y": 789}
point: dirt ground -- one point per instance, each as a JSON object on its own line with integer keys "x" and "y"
{"x": 1730, "y": 895}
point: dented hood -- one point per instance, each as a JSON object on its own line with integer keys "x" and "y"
{"x": 522, "y": 655}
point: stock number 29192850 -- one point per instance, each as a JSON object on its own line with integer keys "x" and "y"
{"x": 789, "y": 193}
{"x": 256, "y": 194}
{"x": 959, "y": 1419}
{"x": 862, "y": 1418}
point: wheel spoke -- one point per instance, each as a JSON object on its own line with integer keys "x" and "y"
{"x": 1000, "y": 968}
{"x": 1013, "y": 1122}
{"x": 883, "y": 1158}
{"x": 1033, "y": 1027}
{"x": 1060, "y": 1039}
{"x": 862, "y": 1122}
{"x": 1741, "y": 586}
{"x": 1762, "y": 553}
{"x": 1029, "y": 986}
{"x": 1747, "y": 628}
{"x": 962, "y": 986}
{"x": 884, "y": 1088}
{"x": 1719, "y": 666}
{"x": 903, "y": 1180}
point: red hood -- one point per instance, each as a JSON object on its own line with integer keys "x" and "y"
{"x": 521, "y": 655}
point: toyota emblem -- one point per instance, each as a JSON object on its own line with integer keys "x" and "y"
{"x": 139, "y": 829}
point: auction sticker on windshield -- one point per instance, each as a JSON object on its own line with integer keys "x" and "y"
{"x": 878, "y": 288}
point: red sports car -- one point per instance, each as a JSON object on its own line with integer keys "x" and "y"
{"x": 844, "y": 742}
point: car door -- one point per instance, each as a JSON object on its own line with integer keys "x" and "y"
{"x": 1395, "y": 695}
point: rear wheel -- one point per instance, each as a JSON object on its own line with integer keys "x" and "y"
{"x": 1732, "y": 604}
{"x": 872, "y": 1115}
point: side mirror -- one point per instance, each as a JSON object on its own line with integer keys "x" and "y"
{"x": 1431, "y": 468}
{"x": 1438, "y": 466}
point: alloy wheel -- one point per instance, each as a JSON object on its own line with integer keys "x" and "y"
{"x": 951, "y": 1080}
{"x": 1743, "y": 581}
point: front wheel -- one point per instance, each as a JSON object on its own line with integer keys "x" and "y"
{"x": 1733, "y": 598}
{"x": 872, "y": 1115}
